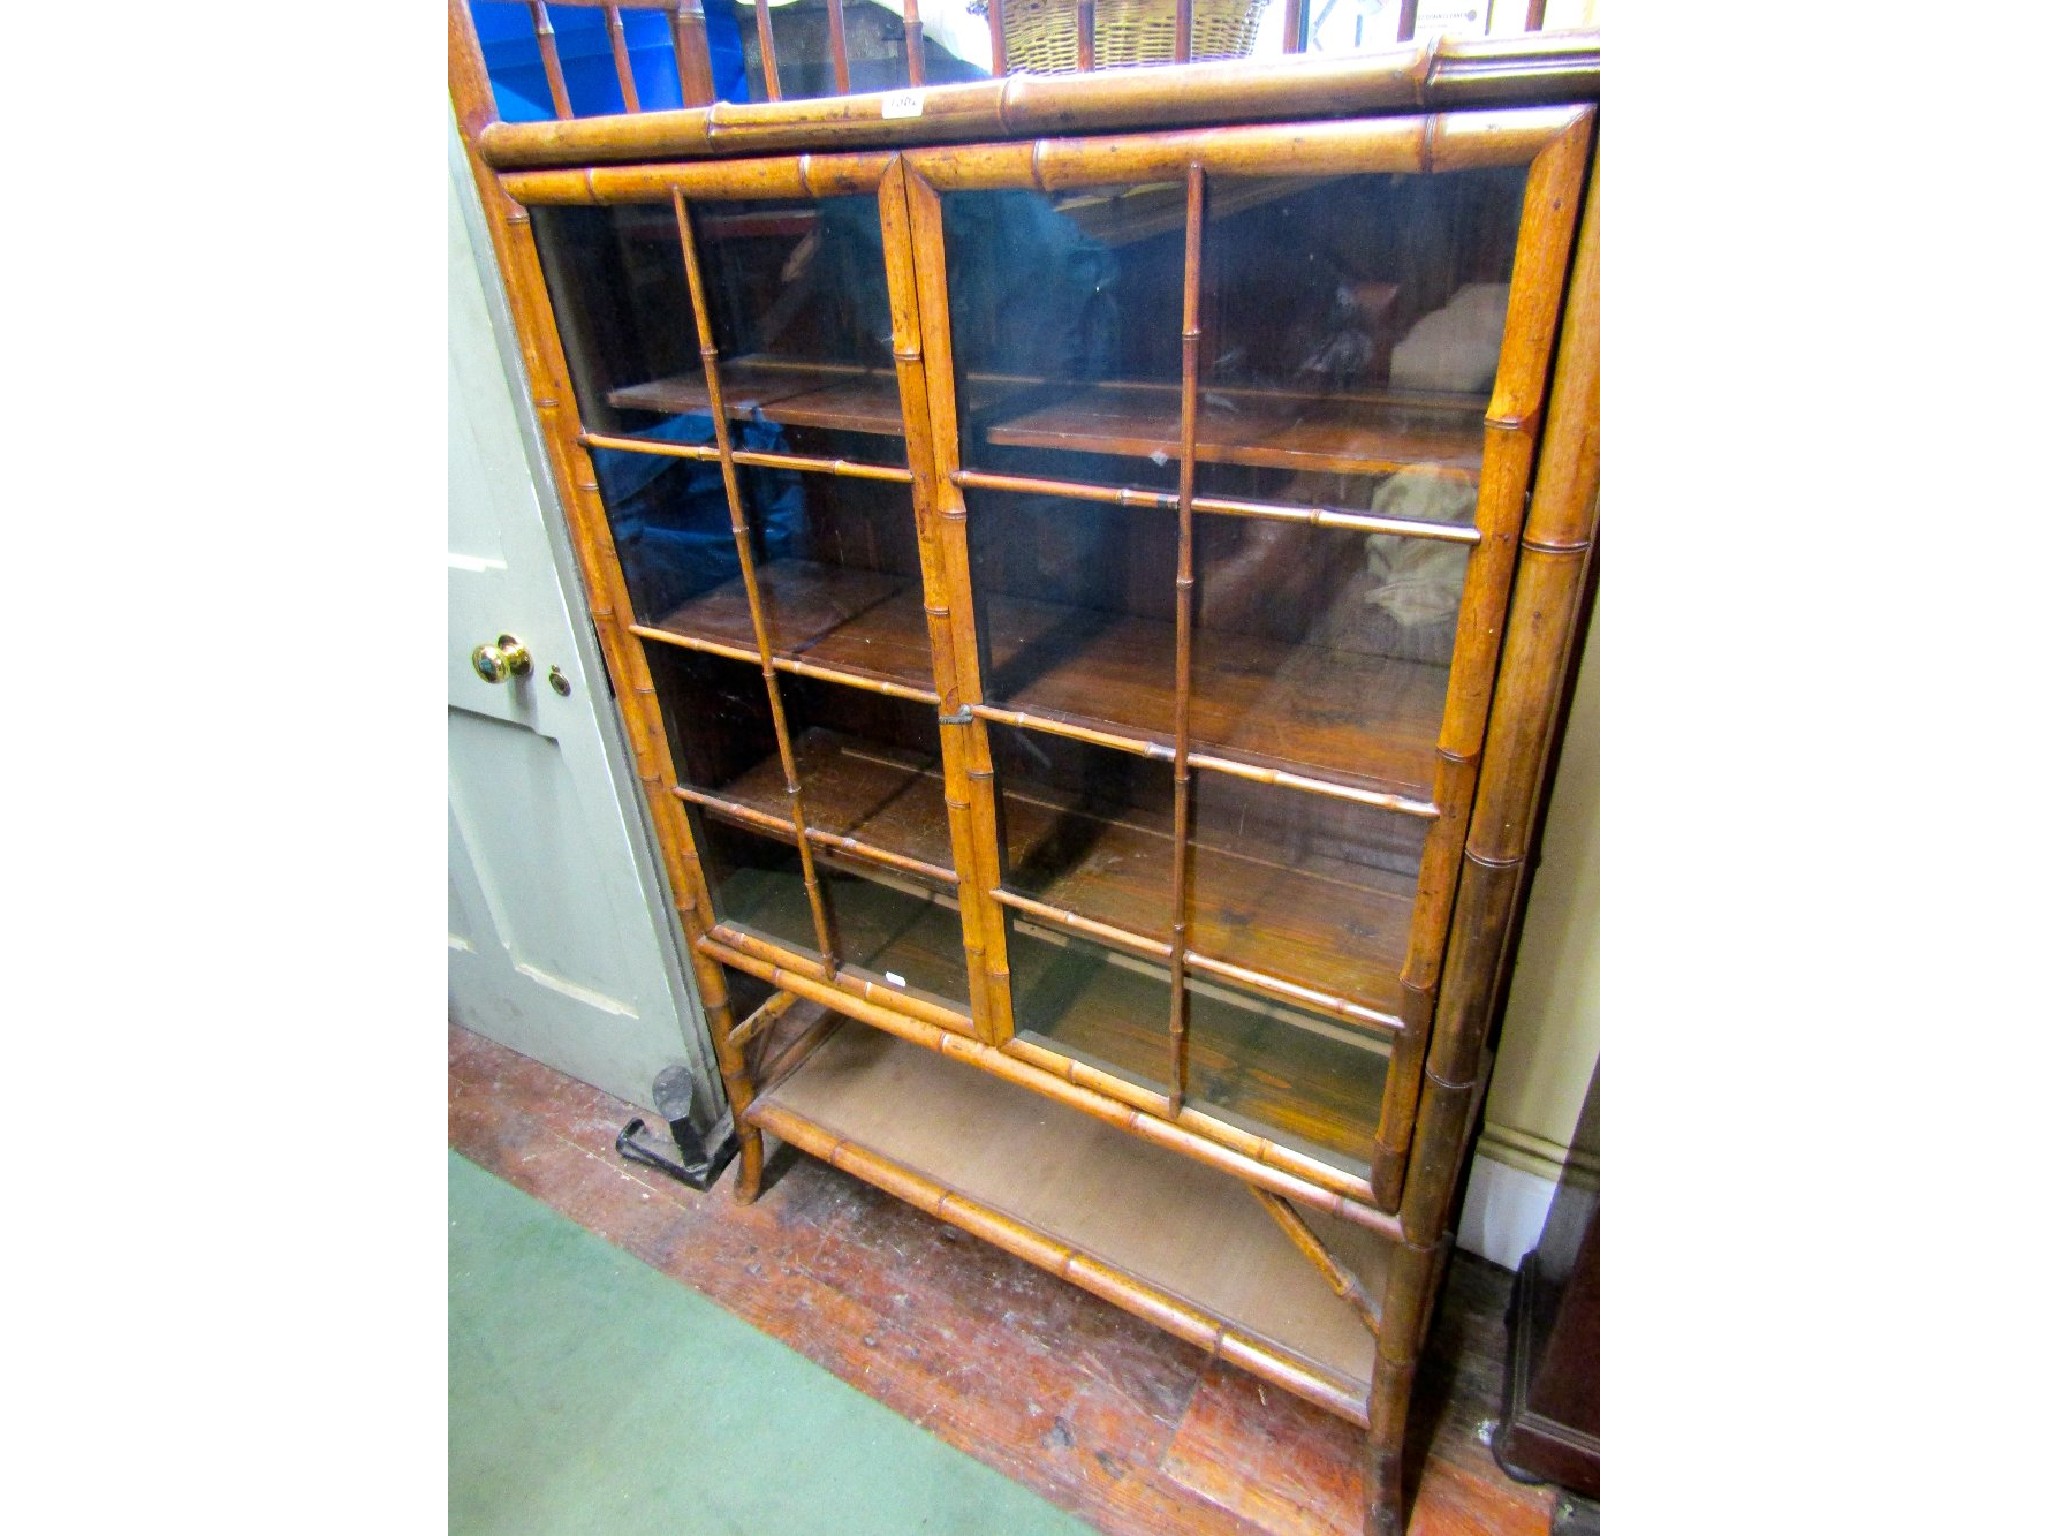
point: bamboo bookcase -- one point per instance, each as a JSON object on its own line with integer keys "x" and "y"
{"x": 1156, "y": 948}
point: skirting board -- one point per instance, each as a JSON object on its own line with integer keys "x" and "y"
{"x": 1504, "y": 1211}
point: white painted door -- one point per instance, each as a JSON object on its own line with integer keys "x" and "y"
{"x": 560, "y": 942}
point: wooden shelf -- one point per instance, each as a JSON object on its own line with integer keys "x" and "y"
{"x": 1337, "y": 928}
{"x": 1266, "y": 429}
{"x": 1362, "y": 721}
{"x": 882, "y": 796}
{"x": 1307, "y": 1083}
{"x": 795, "y": 394}
{"x": 1145, "y": 1213}
{"x": 859, "y": 622}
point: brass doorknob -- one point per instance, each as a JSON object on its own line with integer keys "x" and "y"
{"x": 508, "y": 658}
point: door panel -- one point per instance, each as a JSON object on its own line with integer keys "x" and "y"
{"x": 561, "y": 938}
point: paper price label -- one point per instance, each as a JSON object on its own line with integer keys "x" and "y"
{"x": 903, "y": 104}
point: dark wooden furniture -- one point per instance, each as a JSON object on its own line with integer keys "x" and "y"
{"x": 1090, "y": 613}
{"x": 1550, "y": 1410}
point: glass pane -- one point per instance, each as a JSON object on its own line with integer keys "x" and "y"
{"x": 1302, "y": 887}
{"x": 1086, "y": 829}
{"x": 799, "y": 305}
{"x": 836, "y": 559}
{"x": 721, "y": 735}
{"x": 757, "y": 882}
{"x": 890, "y": 931}
{"x": 876, "y": 55}
{"x": 899, "y": 934}
{"x": 1308, "y": 1083}
{"x": 1066, "y": 316}
{"x": 1351, "y": 329}
{"x": 869, "y": 768}
{"x": 1074, "y": 607}
{"x": 1322, "y": 649}
{"x": 1092, "y": 1003}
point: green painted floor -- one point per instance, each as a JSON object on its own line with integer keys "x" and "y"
{"x": 590, "y": 1393}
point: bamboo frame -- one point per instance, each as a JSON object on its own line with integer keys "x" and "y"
{"x": 1414, "y": 145}
{"x": 1439, "y": 75}
{"x": 1507, "y": 682}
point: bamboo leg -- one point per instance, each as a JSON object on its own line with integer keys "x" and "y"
{"x": 828, "y": 946}
{"x": 835, "y": 24}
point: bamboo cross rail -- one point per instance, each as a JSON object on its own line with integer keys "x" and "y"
{"x": 763, "y": 1016}
{"x": 828, "y": 943}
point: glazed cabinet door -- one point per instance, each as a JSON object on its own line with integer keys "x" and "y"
{"x": 1232, "y": 434}
{"x": 734, "y": 364}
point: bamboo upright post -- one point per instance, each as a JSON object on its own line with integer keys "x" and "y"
{"x": 913, "y": 42}
{"x": 771, "y": 73}
{"x": 707, "y": 347}
{"x": 622, "y": 61}
{"x": 1184, "y": 635}
{"x": 835, "y": 26}
{"x": 1550, "y": 206}
{"x": 1084, "y": 41}
{"x": 1294, "y": 29}
{"x": 547, "y": 375}
{"x": 970, "y": 770}
{"x": 550, "y": 57}
{"x": 693, "y": 52}
{"x": 976, "y": 862}
{"x": 1183, "y": 30}
{"x": 1527, "y": 697}
{"x": 998, "y": 45}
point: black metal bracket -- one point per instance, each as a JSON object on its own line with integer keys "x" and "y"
{"x": 701, "y": 1165}
{"x": 700, "y": 1173}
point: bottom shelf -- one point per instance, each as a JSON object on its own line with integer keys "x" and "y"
{"x": 1208, "y": 1262}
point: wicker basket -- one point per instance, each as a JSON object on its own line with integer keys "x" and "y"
{"x": 1041, "y": 36}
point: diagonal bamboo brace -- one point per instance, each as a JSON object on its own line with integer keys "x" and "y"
{"x": 1328, "y": 1265}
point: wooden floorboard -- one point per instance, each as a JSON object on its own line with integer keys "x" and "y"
{"x": 1128, "y": 1427}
